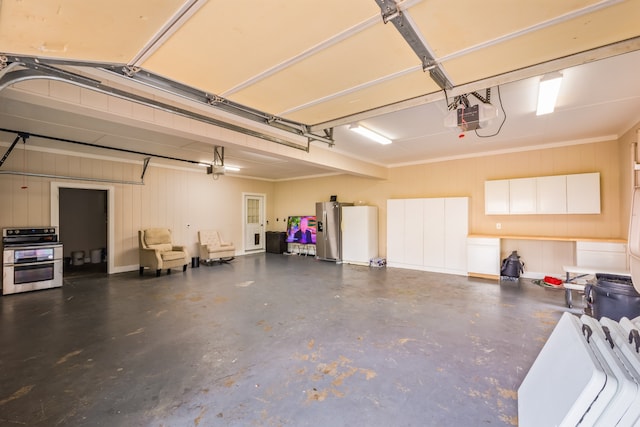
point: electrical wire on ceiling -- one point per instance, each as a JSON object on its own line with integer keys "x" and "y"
{"x": 504, "y": 118}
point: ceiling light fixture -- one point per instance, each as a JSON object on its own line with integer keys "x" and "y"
{"x": 232, "y": 168}
{"x": 368, "y": 133}
{"x": 548, "y": 93}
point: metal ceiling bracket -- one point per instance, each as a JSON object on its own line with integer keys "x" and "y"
{"x": 391, "y": 12}
{"x": 21, "y": 135}
{"x": 130, "y": 70}
{"x": 217, "y": 167}
{"x": 9, "y": 150}
{"x": 145, "y": 164}
{"x": 329, "y": 133}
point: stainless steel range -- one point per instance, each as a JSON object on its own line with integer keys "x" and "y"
{"x": 31, "y": 259}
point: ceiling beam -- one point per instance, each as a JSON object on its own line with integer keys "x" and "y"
{"x": 166, "y": 31}
{"x": 391, "y": 12}
{"x": 603, "y": 52}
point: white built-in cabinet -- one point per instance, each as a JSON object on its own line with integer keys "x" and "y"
{"x": 428, "y": 234}
{"x": 558, "y": 194}
{"x": 610, "y": 256}
{"x": 483, "y": 256}
{"x": 496, "y": 197}
{"x": 522, "y": 196}
{"x": 551, "y": 194}
{"x": 359, "y": 234}
{"x": 583, "y": 193}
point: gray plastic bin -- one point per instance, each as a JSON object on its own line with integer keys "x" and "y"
{"x": 613, "y": 296}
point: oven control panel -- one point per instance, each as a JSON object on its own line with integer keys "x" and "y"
{"x": 29, "y": 236}
{"x": 29, "y": 231}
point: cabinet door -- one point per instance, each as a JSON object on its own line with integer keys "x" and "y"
{"x": 456, "y": 229}
{"x": 413, "y": 231}
{"x": 496, "y": 197}
{"x": 434, "y": 233}
{"x": 522, "y": 196}
{"x": 583, "y": 193}
{"x": 483, "y": 256}
{"x": 552, "y": 194}
{"x": 395, "y": 231}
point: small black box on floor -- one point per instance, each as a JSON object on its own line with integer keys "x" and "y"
{"x": 276, "y": 242}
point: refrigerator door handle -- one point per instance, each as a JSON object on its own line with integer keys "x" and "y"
{"x": 324, "y": 219}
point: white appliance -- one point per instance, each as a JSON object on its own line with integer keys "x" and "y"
{"x": 359, "y": 234}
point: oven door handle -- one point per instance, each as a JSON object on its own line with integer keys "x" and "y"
{"x": 36, "y": 263}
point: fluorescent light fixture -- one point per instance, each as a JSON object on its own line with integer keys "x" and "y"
{"x": 204, "y": 164}
{"x": 368, "y": 133}
{"x": 548, "y": 93}
{"x": 232, "y": 168}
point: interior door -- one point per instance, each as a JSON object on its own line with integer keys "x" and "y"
{"x": 253, "y": 222}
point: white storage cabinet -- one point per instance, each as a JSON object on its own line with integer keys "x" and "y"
{"x": 428, "y": 234}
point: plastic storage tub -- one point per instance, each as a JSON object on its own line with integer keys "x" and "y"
{"x": 613, "y": 297}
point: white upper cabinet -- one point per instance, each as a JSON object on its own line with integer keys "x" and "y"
{"x": 496, "y": 197}
{"x": 583, "y": 193}
{"x": 552, "y": 194}
{"x": 522, "y": 196}
{"x": 559, "y": 194}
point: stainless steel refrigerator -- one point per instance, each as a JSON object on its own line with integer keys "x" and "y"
{"x": 328, "y": 234}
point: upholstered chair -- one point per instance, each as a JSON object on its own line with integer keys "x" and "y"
{"x": 157, "y": 251}
{"x": 213, "y": 248}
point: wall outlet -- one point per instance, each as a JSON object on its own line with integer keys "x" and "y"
{"x": 498, "y": 226}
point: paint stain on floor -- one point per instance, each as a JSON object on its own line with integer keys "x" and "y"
{"x": 339, "y": 372}
{"x": 67, "y": 356}
{"x": 23, "y": 391}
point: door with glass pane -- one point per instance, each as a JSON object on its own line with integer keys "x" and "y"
{"x": 253, "y": 222}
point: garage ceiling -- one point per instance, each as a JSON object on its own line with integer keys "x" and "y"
{"x": 327, "y": 64}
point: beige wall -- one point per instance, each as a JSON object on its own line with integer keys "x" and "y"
{"x": 466, "y": 177}
{"x": 185, "y": 200}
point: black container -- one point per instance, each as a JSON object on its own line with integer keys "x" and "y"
{"x": 195, "y": 262}
{"x": 276, "y": 242}
{"x": 512, "y": 266}
{"x": 613, "y": 297}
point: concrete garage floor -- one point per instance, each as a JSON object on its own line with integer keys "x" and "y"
{"x": 272, "y": 340}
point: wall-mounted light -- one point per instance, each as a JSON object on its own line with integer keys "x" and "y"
{"x": 368, "y": 133}
{"x": 548, "y": 93}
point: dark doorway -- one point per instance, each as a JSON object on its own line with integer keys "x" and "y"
{"x": 83, "y": 230}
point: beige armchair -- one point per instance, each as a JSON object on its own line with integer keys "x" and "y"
{"x": 213, "y": 248}
{"x": 157, "y": 252}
